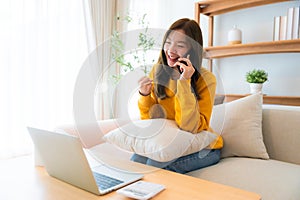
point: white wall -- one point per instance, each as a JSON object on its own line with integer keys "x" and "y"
{"x": 257, "y": 26}
{"x": 162, "y": 13}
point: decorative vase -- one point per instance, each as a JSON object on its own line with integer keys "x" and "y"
{"x": 234, "y": 36}
{"x": 256, "y": 88}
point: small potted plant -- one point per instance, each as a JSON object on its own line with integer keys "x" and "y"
{"x": 256, "y": 78}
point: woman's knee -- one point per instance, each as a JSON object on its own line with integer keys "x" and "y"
{"x": 158, "y": 164}
{"x": 139, "y": 158}
{"x": 195, "y": 161}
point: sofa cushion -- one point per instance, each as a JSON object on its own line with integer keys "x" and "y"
{"x": 158, "y": 139}
{"x": 115, "y": 158}
{"x": 91, "y": 134}
{"x": 281, "y": 132}
{"x": 273, "y": 180}
{"x": 240, "y": 124}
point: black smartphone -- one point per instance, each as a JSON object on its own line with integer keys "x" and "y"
{"x": 178, "y": 67}
{"x": 183, "y": 62}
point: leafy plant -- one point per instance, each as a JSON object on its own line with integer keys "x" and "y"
{"x": 137, "y": 56}
{"x": 256, "y": 76}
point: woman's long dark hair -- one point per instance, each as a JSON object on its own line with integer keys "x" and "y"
{"x": 162, "y": 73}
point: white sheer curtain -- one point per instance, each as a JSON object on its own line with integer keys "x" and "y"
{"x": 42, "y": 47}
{"x": 101, "y": 23}
{"x": 100, "y": 17}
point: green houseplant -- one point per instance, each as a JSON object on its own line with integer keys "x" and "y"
{"x": 137, "y": 56}
{"x": 256, "y": 78}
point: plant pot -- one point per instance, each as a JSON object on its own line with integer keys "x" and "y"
{"x": 255, "y": 88}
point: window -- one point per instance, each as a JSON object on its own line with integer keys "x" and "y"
{"x": 43, "y": 45}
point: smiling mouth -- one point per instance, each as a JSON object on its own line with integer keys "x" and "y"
{"x": 172, "y": 59}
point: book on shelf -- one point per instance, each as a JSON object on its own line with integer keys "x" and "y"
{"x": 276, "y": 28}
{"x": 289, "y": 23}
{"x": 296, "y": 21}
{"x": 283, "y": 27}
{"x": 287, "y": 27}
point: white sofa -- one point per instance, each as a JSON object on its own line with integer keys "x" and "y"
{"x": 275, "y": 178}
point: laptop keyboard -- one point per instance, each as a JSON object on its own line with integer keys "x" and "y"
{"x": 105, "y": 182}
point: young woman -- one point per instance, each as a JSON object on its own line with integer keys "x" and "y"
{"x": 178, "y": 88}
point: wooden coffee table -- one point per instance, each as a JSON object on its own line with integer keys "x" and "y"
{"x": 20, "y": 179}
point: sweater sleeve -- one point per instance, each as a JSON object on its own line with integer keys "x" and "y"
{"x": 191, "y": 114}
{"x": 146, "y": 102}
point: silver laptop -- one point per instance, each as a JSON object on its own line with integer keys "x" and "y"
{"x": 65, "y": 159}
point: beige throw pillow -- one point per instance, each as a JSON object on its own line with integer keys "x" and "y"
{"x": 158, "y": 139}
{"x": 240, "y": 124}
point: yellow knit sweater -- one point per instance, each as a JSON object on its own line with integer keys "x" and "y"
{"x": 182, "y": 106}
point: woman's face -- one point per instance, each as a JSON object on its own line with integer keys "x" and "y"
{"x": 176, "y": 46}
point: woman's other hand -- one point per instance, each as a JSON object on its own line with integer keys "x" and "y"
{"x": 145, "y": 86}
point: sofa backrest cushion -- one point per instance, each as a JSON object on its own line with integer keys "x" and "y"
{"x": 281, "y": 132}
{"x": 240, "y": 124}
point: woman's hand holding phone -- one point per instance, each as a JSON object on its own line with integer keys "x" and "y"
{"x": 185, "y": 67}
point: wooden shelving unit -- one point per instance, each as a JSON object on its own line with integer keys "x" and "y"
{"x": 217, "y": 7}
{"x": 284, "y": 46}
{"x": 211, "y": 8}
{"x": 280, "y": 100}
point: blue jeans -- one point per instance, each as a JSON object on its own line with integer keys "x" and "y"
{"x": 184, "y": 164}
